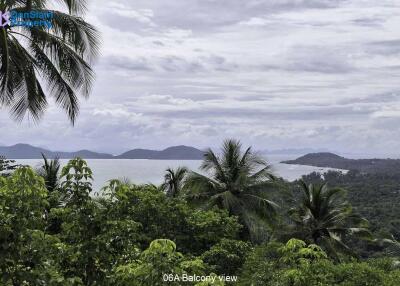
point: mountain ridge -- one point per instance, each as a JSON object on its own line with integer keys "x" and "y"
{"x": 27, "y": 151}
{"x": 331, "y": 160}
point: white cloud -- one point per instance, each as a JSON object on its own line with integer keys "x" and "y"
{"x": 113, "y": 9}
{"x": 275, "y": 74}
{"x": 387, "y": 112}
{"x": 255, "y": 21}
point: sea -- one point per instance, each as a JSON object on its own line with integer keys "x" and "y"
{"x": 152, "y": 171}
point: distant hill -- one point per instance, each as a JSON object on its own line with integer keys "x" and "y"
{"x": 171, "y": 153}
{"x": 330, "y": 160}
{"x": 26, "y": 151}
{"x": 293, "y": 151}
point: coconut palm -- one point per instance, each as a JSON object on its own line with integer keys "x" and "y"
{"x": 50, "y": 171}
{"x": 58, "y": 57}
{"x": 390, "y": 244}
{"x": 237, "y": 182}
{"x": 324, "y": 217}
{"x": 7, "y": 166}
{"x": 173, "y": 181}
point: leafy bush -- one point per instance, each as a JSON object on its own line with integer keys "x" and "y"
{"x": 70, "y": 238}
{"x": 298, "y": 264}
{"x": 194, "y": 231}
{"x": 227, "y": 256}
{"x": 157, "y": 265}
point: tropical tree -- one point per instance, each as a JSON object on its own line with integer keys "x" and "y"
{"x": 77, "y": 184}
{"x": 392, "y": 246}
{"x": 300, "y": 264}
{"x": 324, "y": 217}
{"x": 174, "y": 180}
{"x": 58, "y": 56}
{"x": 160, "y": 264}
{"x": 238, "y": 182}
{"x": 7, "y": 166}
{"x": 49, "y": 171}
{"x": 26, "y": 251}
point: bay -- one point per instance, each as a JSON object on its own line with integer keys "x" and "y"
{"x": 152, "y": 171}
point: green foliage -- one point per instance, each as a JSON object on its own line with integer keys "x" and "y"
{"x": 298, "y": 252}
{"x": 49, "y": 171}
{"x": 77, "y": 185}
{"x": 6, "y": 166}
{"x": 375, "y": 197}
{"x": 94, "y": 239}
{"x": 27, "y": 252}
{"x": 299, "y": 264}
{"x": 160, "y": 259}
{"x": 324, "y": 217}
{"x": 227, "y": 256}
{"x": 237, "y": 182}
{"x": 259, "y": 267}
{"x": 273, "y": 263}
{"x": 194, "y": 231}
{"x": 174, "y": 180}
{"x": 125, "y": 237}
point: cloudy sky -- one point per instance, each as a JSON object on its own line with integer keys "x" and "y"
{"x": 273, "y": 73}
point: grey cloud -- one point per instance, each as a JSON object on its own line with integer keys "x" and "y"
{"x": 175, "y": 63}
{"x": 319, "y": 65}
{"x": 319, "y": 73}
{"x": 376, "y": 98}
{"x": 208, "y": 14}
{"x": 159, "y": 43}
{"x": 390, "y": 47}
{"x": 138, "y": 64}
{"x": 369, "y": 22}
{"x": 389, "y": 124}
{"x": 315, "y": 59}
{"x": 300, "y": 114}
{"x": 318, "y": 59}
{"x": 170, "y": 63}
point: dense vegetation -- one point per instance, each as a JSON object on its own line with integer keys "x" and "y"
{"x": 236, "y": 222}
{"x": 374, "y": 196}
{"x": 7, "y": 166}
{"x": 369, "y": 166}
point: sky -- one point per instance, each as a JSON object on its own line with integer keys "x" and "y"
{"x": 276, "y": 74}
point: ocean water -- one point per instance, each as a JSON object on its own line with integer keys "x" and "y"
{"x": 152, "y": 171}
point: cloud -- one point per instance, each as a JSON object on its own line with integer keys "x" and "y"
{"x": 389, "y": 47}
{"x": 319, "y": 59}
{"x": 276, "y": 74}
{"x": 118, "y": 11}
{"x": 369, "y": 22}
{"x": 125, "y": 63}
{"x": 387, "y": 112}
{"x": 168, "y": 63}
{"x": 255, "y": 22}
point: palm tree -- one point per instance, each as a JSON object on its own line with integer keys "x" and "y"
{"x": 173, "y": 181}
{"x": 7, "y": 166}
{"x": 237, "y": 182}
{"x": 50, "y": 171}
{"x": 325, "y": 218}
{"x": 59, "y": 57}
{"x": 390, "y": 244}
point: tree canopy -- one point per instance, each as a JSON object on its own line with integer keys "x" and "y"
{"x": 55, "y": 230}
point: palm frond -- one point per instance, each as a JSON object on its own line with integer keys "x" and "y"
{"x": 59, "y": 57}
{"x": 326, "y": 217}
{"x": 238, "y": 182}
{"x": 75, "y": 6}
